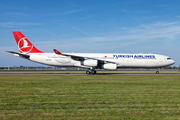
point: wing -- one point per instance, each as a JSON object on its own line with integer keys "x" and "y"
{"x": 80, "y": 58}
{"x": 26, "y": 56}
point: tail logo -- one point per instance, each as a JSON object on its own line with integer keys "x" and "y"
{"x": 24, "y": 45}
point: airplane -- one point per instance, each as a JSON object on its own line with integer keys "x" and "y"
{"x": 91, "y": 61}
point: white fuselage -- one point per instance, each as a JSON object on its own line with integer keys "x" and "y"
{"x": 122, "y": 60}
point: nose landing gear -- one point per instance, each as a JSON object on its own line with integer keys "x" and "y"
{"x": 157, "y": 72}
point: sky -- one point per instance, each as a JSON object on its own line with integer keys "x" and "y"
{"x": 91, "y": 26}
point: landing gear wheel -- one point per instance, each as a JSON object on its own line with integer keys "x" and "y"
{"x": 93, "y": 72}
{"x": 157, "y": 72}
{"x": 90, "y": 72}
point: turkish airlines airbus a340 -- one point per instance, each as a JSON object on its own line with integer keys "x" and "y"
{"x": 91, "y": 61}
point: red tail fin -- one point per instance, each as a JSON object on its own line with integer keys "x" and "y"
{"x": 24, "y": 45}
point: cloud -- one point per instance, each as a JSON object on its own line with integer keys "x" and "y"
{"x": 159, "y": 31}
{"x": 83, "y": 31}
{"x": 58, "y": 14}
{"x": 16, "y": 14}
{"x": 165, "y": 32}
{"x": 87, "y": 17}
{"x": 128, "y": 14}
{"x": 13, "y": 24}
{"x": 140, "y": 12}
{"x": 131, "y": 16}
{"x": 37, "y": 14}
{"x": 70, "y": 12}
{"x": 162, "y": 5}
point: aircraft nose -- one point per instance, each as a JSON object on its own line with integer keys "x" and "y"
{"x": 173, "y": 61}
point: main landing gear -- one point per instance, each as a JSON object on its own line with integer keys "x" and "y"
{"x": 91, "y": 71}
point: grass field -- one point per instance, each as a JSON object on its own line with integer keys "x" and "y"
{"x": 90, "y": 97}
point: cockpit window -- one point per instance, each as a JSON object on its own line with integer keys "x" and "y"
{"x": 168, "y": 58}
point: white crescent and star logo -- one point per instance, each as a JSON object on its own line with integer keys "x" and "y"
{"x": 24, "y": 45}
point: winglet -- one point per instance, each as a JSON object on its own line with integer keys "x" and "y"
{"x": 56, "y": 51}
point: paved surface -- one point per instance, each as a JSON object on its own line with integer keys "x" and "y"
{"x": 87, "y": 74}
{"x": 84, "y": 73}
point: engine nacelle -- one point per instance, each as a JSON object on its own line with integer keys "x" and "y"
{"x": 109, "y": 66}
{"x": 92, "y": 63}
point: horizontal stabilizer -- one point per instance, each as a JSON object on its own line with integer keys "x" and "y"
{"x": 26, "y": 56}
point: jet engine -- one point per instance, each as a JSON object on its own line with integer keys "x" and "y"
{"x": 109, "y": 66}
{"x": 92, "y": 63}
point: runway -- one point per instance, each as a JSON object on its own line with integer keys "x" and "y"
{"x": 83, "y": 73}
{"x": 86, "y": 74}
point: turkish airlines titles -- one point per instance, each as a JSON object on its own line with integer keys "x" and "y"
{"x": 135, "y": 56}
